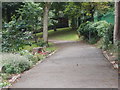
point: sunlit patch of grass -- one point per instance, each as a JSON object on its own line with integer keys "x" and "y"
{"x": 50, "y": 49}
{"x": 29, "y": 48}
{"x": 62, "y": 34}
{"x": 65, "y": 34}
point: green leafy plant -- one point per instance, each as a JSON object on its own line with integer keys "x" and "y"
{"x": 88, "y": 31}
{"x": 4, "y": 84}
{"x": 108, "y": 37}
{"x": 5, "y": 76}
{"x": 33, "y": 58}
{"x": 20, "y": 29}
{"x": 31, "y": 15}
{"x": 37, "y": 57}
{"x": 93, "y": 31}
{"x": 14, "y": 63}
{"x": 13, "y": 37}
{"x": 41, "y": 43}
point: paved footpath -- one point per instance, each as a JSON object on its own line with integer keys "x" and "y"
{"x": 74, "y": 65}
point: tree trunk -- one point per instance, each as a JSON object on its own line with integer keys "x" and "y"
{"x": 35, "y": 37}
{"x": 117, "y": 23}
{"x": 55, "y": 28}
{"x": 45, "y": 21}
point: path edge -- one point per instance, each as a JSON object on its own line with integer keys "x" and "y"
{"x": 16, "y": 77}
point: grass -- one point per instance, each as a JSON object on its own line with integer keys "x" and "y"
{"x": 65, "y": 34}
{"x": 50, "y": 49}
{"x": 29, "y": 48}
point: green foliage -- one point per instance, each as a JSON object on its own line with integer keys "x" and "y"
{"x": 8, "y": 10}
{"x": 14, "y": 63}
{"x": 101, "y": 27}
{"x": 85, "y": 11}
{"x": 29, "y": 47}
{"x": 13, "y": 37}
{"x": 17, "y": 32}
{"x": 33, "y": 58}
{"x": 41, "y": 43}
{"x": 4, "y": 84}
{"x": 50, "y": 49}
{"x": 37, "y": 57}
{"x": 30, "y": 14}
{"x": 108, "y": 37}
{"x": 94, "y": 31}
{"x": 88, "y": 31}
{"x": 5, "y": 76}
{"x": 27, "y": 54}
{"x": 55, "y": 12}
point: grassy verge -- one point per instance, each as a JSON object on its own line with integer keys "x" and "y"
{"x": 62, "y": 34}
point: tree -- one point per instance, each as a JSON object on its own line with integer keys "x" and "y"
{"x": 85, "y": 11}
{"x": 45, "y": 21}
{"x": 30, "y": 14}
{"x": 56, "y": 12}
{"x": 73, "y": 11}
{"x": 117, "y": 23}
{"x": 9, "y": 9}
{"x": 22, "y": 27}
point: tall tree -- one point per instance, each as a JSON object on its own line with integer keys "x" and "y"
{"x": 117, "y": 22}
{"x": 85, "y": 11}
{"x": 45, "y": 21}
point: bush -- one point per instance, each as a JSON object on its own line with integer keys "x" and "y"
{"x": 4, "y": 84}
{"x": 88, "y": 31}
{"x": 37, "y": 57}
{"x": 5, "y": 76}
{"x": 93, "y": 31}
{"x": 33, "y": 58}
{"x": 41, "y": 43}
{"x": 14, "y": 63}
{"x": 27, "y": 54}
{"x": 13, "y": 37}
{"x": 108, "y": 37}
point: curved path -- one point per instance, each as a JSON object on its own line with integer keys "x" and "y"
{"x": 74, "y": 65}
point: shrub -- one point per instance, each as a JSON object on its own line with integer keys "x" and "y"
{"x": 13, "y": 37}
{"x": 108, "y": 37}
{"x": 88, "y": 31}
{"x": 93, "y": 31}
{"x": 27, "y": 54}
{"x": 41, "y": 43}
{"x": 14, "y": 63}
{"x": 37, "y": 57}
{"x": 4, "y": 84}
{"x": 5, "y": 76}
{"x": 34, "y": 58}
{"x": 101, "y": 27}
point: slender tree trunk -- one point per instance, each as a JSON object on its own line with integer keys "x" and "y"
{"x": 117, "y": 22}
{"x": 55, "y": 28}
{"x": 45, "y": 21}
{"x": 35, "y": 36}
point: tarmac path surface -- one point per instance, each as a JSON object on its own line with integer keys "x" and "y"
{"x": 74, "y": 65}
